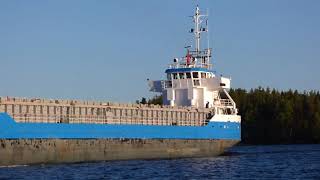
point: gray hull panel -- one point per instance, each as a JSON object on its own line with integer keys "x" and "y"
{"x": 36, "y": 151}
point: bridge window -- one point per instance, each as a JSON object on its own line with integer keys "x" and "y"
{"x": 175, "y": 75}
{"x": 203, "y": 75}
{"x": 195, "y": 74}
{"x": 181, "y": 75}
{"x": 188, "y": 75}
{"x": 169, "y": 76}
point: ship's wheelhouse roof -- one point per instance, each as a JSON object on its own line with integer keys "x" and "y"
{"x": 177, "y": 70}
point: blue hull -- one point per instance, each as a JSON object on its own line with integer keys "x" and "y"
{"x": 9, "y": 129}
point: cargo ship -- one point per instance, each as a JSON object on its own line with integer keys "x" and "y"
{"x": 198, "y": 118}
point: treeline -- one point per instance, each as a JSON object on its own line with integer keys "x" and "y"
{"x": 155, "y": 100}
{"x": 274, "y": 117}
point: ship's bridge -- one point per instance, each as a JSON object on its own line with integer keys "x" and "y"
{"x": 196, "y": 86}
{"x": 190, "y": 79}
{"x": 189, "y": 73}
{"x": 194, "y": 77}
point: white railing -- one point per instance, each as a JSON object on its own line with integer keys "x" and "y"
{"x": 225, "y": 102}
{"x": 191, "y": 65}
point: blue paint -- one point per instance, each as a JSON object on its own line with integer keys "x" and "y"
{"x": 177, "y": 70}
{"x": 9, "y": 129}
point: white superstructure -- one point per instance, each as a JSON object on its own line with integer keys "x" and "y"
{"x": 192, "y": 82}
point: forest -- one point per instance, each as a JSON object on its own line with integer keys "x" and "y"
{"x": 274, "y": 117}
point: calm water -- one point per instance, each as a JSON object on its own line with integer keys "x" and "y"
{"x": 243, "y": 162}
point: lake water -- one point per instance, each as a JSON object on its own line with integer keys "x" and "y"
{"x": 241, "y": 162}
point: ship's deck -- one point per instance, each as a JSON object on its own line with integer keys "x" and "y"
{"x": 74, "y": 111}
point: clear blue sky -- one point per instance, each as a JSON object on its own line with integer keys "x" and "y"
{"x": 105, "y": 50}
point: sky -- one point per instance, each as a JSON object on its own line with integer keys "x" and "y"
{"x": 106, "y": 50}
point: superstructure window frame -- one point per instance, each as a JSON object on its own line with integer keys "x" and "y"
{"x": 203, "y": 75}
{"x": 182, "y": 75}
{"x": 188, "y": 75}
{"x": 195, "y": 75}
{"x": 175, "y": 75}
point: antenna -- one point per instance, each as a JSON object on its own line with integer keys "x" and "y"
{"x": 200, "y": 26}
{"x": 198, "y": 29}
{"x": 208, "y": 36}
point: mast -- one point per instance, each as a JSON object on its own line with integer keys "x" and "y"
{"x": 202, "y": 56}
{"x": 198, "y": 29}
